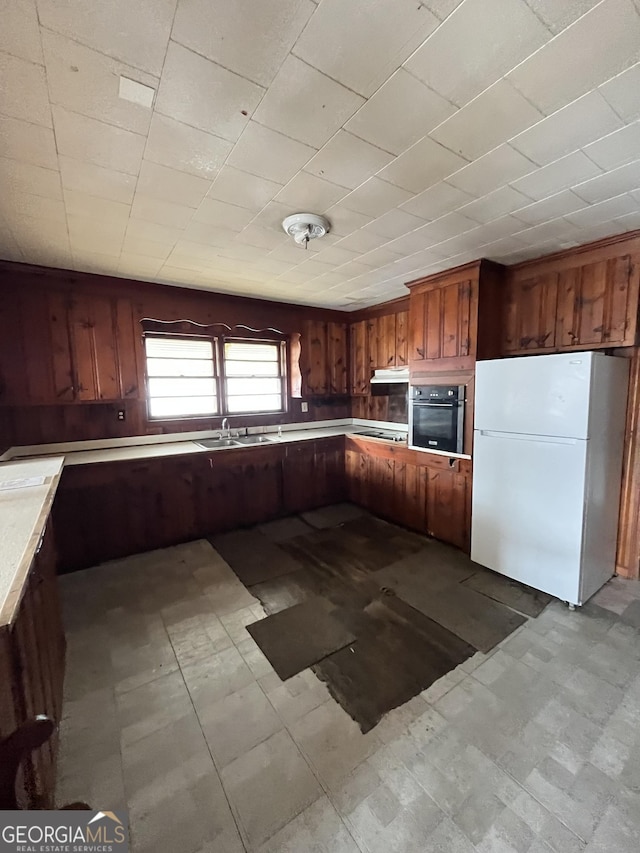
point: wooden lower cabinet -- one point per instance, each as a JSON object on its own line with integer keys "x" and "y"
{"x": 421, "y": 492}
{"x": 109, "y": 510}
{"x": 32, "y": 658}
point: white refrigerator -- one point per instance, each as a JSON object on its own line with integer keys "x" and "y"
{"x": 547, "y": 464}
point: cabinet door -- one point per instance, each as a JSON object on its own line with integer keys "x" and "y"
{"x": 360, "y": 369}
{"x": 401, "y": 326}
{"x": 337, "y": 357}
{"x": 315, "y": 348}
{"x": 440, "y": 323}
{"x": 596, "y": 304}
{"x": 63, "y": 376}
{"x": 448, "y": 507}
{"x": 128, "y": 333}
{"x": 93, "y": 344}
{"x": 530, "y": 315}
{"x": 299, "y": 477}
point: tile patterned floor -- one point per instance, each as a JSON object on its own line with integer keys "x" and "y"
{"x": 172, "y": 711}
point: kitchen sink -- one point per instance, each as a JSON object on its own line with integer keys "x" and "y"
{"x": 213, "y": 443}
{"x": 253, "y": 439}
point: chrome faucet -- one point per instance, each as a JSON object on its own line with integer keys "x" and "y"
{"x": 225, "y": 426}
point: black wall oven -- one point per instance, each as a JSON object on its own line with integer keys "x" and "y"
{"x": 436, "y": 417}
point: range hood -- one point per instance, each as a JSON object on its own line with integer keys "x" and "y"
{"x": 390, "y": 374}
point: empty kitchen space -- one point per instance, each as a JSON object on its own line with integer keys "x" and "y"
{"x": 319, "y": 426}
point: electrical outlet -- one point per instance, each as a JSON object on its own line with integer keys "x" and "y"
{"x": 121, "y": 415}
{"x": 304, "y": 407}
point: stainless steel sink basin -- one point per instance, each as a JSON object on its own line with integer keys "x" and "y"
{"x": 253, "y": 439}
{"x": 213, "y": 443}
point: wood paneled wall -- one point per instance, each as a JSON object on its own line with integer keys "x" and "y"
{"x": 42, "y": 309}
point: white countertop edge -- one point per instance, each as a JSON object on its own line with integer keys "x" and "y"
{"x": 23, "y": 516}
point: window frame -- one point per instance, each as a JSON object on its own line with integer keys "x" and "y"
{"x": 220, "y": 374}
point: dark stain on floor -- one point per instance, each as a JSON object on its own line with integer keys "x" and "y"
{"x": 380, "y": 612}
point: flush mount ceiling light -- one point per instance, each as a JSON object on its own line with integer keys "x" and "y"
{"x": 305, "y": 226}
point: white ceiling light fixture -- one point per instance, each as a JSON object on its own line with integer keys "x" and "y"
{"x": 305, "y": 226}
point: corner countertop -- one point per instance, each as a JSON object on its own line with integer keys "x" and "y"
{"x": 23, "y": 517}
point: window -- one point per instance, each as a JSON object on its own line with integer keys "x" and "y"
{"x": 203, "y": 376}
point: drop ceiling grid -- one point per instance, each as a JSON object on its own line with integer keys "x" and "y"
{"x": 430, "y": 133}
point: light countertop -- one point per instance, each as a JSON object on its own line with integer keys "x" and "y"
{"x": 23, "y": 516}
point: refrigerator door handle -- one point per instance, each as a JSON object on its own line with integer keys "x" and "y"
{"x": 521, "y": 436}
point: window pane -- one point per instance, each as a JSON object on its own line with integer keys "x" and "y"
{"x": 181, "y": 387}
{"x": 252, "y": 368}
{"x": 255, "y": 403}
{"x": 251, "y": 351}
{"x": 179, "y": 367}
{"x": 171, "y": 407}
{"x": 178, "y": 348}
{"x": 236, "y": 387}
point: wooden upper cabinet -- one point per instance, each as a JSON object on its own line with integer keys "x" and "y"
{"x": 324, "y": 347}
{"x": 530, "y": 315}
{"x": 402, "y": 324}
{"x": 597, "y": 304}
{"x": 574, "y": 301}
{"x": 360, "y": 370}
{"x": 454, "y": 318}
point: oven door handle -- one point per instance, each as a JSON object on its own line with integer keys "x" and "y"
{"x": 451, "y": 405}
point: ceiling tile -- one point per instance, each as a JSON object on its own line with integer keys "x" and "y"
{"x": 379, "y": 257}
{"x": 421, "y": 166}
{"x": 557, "y": 15}
{"x": 83, "y": 205}
{"x": 210, "y": 235}
{"x": 86, "y": 82}
{"x": 400, "y": 113}
{"x": 394, "y": 224}
{"x": 163, "y": 212}
{"x": 268, "y": 154}
{"x": 38, "y": 231}
{"x": 151, "y": 232}
{"x": 171, "y": 185}
{"x": 492, "y": 118}
{"x": 101, "y": 144}
{"x": 133, "y": 265}
{"x": 622, "y": 93}
{"x": 344, "y": 221}
{"x": 309, "y": 193}
{"x": 375, "y": 197}
{"x": 604, "y": 211}
{"x": 610, "y": 184}
{"x": 180, "y": 146}
{"x": 496, "y": 168}
{"x": 271, "y": 216}
{"x": 19, "y": 34}
{"x": 24, "y": 93}
{"x": 135, "y": 33}
{"x": 514, "y": 33}
{"x": 360, "y": 44}
{"x": 347, "y": 160}
{"x": 451, "y": 225}
{"x": 495, "y": 204}
{"x": 94, "y": 180}
{"x": 442, "y": 8}
{"x": 290, "y": 105}
{"x": 265, "y": 238}
{"x": 242, "y": 189}
{"x": 135, "y": 245}
{"x": 630, "y": 221}
{"x": 554, "y": 229}
{"x": 617, "y": 148}
{"x": 19, "y": 177}
{"x": 19, "y": 205}
{"x": 572, "y": 127}
{"x": 249, "y": 38}
{"x": 564, "y": 173}
{"x": 550, "y": 208}
{"x": 558, "y": 74}
{"x": 223, "y": 215}
{"x": 198, "y": 92}
{"x": 362, "y": 241}
{"x": 305, "y": 271}
{"x": 30, "y": 143}
{"x": 436, "y": 201}
{"x": 95, "y": 235}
